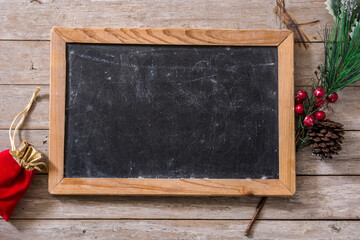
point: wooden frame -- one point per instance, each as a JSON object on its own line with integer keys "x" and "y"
{"x": 283, "y": 40}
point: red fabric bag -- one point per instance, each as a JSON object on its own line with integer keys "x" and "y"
{"x": 14, "y": 181}
{"x": 17, "y": 169}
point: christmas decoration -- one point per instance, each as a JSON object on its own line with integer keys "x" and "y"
{"x": 320, "y": 115}
{"x": 333, "y": 97}
{"x": 319, "y": 102}
{"x": 319, "y": 92}
{"x": 298, "y": 100}
{"x": 325, "y": 138}
{"x": 309, "y": 120}
{"x": 341, "y": 67}
{"x": 302, "y": 96}
{"x": 299, "y": 109}
{"x": 18, "y": 167}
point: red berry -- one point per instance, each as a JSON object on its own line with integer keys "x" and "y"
{"x": 319, "y": 92}
{"x": 302, "y": 95}
{"x": 320, "y": 115}
{"x": 333, "y": 97}
{"x": 318, "y": 102}
{"x": 298, "y": 100}
{"x": 299, "y": 109}
{"x": 309, "y": 121}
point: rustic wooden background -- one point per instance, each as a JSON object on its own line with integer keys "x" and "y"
{"x": 326, "y": 205}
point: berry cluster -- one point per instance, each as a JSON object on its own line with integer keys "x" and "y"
{"x": 319, "y": 93}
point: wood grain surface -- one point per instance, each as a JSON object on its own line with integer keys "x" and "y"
{"x": 179, "y": 229}
{"x": 32, "y": 20}
{"x": 324, "y": 207}
{"x": 174, "y": 36}
{"x": 317, "y": 197}
{"x": 286, "y": 117}
{"x": 57, "y": 109}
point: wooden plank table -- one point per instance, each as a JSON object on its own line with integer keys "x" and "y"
{"x": 326, "y": 205}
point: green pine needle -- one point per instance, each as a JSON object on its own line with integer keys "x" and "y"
{"x": 342, "y": 52}
{"x": 342, "y": 58}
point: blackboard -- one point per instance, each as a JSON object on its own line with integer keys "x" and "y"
{"x": 171, "y": 112}
{"x": 144, "y": 111}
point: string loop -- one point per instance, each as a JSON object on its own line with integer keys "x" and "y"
{"x": 24, "y": 113}
{"x": 26, "y": 155}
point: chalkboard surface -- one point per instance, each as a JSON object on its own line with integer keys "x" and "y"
{"x": 154, "y": 111}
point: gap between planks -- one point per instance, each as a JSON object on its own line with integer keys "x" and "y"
{"x": 184, "y": 219}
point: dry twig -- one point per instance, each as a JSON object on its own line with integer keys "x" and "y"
{"x": 258, "y": 209}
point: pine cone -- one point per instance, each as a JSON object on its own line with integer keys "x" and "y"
{"x": 325, "y": 138}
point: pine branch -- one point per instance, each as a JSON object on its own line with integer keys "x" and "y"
{"x": 342, "y": 58}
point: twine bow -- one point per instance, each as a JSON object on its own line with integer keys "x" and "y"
{"x": 26, "y": 155}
